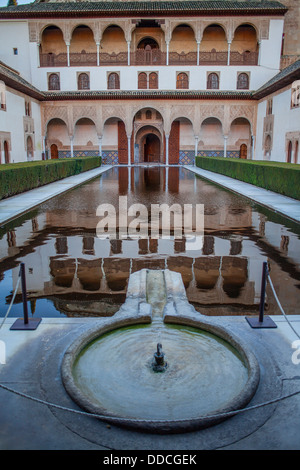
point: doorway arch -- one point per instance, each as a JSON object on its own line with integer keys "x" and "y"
{"x": 151, "y": 148}
{"x": 6, "y": 152}
{"x": 53, "y": 151}
{"x": 243, "y": 151}
{"x": 29, "y": 147}
{"x": 148, "y": 144}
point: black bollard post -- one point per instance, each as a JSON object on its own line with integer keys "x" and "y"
{"x": 24, "y": 323}
{"x": 262, "y": 321}
{"x": 263, "y": 291}
{"x": 24, "y": 293}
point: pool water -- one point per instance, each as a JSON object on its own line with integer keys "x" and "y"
{"x": 71, "y": 272}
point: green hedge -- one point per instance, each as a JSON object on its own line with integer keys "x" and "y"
{"x": 16, "y": 178}
{"x": 283, "y": 178}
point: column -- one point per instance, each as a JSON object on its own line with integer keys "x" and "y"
{"x": 38, "y": 55}
{"x": 167, "y": 57}
{"x": 198, "y": 52}
{"x": 259, "y": 53}
{"x": 68, "y": 53}
{"x": 225, "y": 145}
{"x": 252, "y": 146}
{"x": 98, "y": 53}
{"x": 100, "y": 145}
{"x": 128, "y": 51}
{"x": 129, "y": 150}
{"x": 196, "y": 148}
{"x": 228, "y": 53}
{"x": 71, "y": 142}
{"x": 167, "y": 150}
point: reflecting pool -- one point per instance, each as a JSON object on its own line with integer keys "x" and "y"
{"x": 71, "y": 272}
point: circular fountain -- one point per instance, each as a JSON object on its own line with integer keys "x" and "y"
{"x": 201, "y": 372}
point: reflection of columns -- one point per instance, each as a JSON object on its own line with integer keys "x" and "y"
{"x": 228, "y": 53}
{"x": 198, "y": 52}
{"x": 68, "y": 53}
{"x": 167, "y": 149}
{"x": 196, "y": 148}
{"x": 129, "y": 149}
{"x": 225, "y": 145}
{"x": 167, "y": 180}
{"x": 98, "y": 53}
{"x": 100, "y": 145}
{"x": 167, "y": 57}
{"x": 71, "y": 140}
{"x": 38, "y": 54}
{"x": 128, "y": 52}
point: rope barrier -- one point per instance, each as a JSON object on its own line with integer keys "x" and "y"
{"x": 280, "y": 306}
{"x": 12, "y": 301}
{"x": 115, "y": 418}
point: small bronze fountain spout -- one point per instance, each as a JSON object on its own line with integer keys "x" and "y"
{"x": 159, "y": 364}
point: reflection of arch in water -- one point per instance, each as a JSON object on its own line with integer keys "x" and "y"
{"x": 62, "y": 271}
{"x": 207, "y": 271}
{"x": 89, "y": 274}
{"x": 235, "y": 274}
{"x": 182, "y": 265}
{"x": 116, "y": 273}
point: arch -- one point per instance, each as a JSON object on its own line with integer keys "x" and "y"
{"x": 239, "y": 137}
{"x": 50, "y": 26}
{"x": 57, "y": 133}
{"x": 214, "y": 37}
{"x": 245, "y": 119}
{"x": 182, "y": 81}
{"x": 245, "y": 38}
{"x": 6, "y": 152}
{"x": 242, "y": 81}
{"x": 267, "y": 146}
{"x": 83, "y": 81}
{"x": 53, "y": 151}
{"x": 183, "y": 39}
{"x": 180, "y": 24}
{"x": 113, "y": 81}
{"x": 82, "y": 40}
{"x": 29, "y": 148}
{"x": 113, "y": 39}
{"x": 53, "y": 48}
{"x": 243, "y": 152}
{"x": 212, "y": 119}
{"x": 149, "y": 144}
{"x": 213, "y": 82}
{"x": 252, "y": 25}
{"x": 142, "y": 81}
{"x": 53, "y": 81}
{"x": 85, "y": 131}
{"x": 212, "y": 137}
{"x": 147, "y": 42}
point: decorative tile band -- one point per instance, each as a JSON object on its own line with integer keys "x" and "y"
{"x": 110, "y": 157}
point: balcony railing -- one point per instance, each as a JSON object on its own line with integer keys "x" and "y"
{"x": 148, "y": 57}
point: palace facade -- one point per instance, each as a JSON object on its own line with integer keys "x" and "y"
{"x": 156, "y": 82}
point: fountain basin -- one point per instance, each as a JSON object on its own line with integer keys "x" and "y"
{"x": 108, "y": 372}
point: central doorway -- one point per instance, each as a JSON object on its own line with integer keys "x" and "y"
{"x": 151, "y": 149}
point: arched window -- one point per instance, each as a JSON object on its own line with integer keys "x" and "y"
{"x": 289, "y": 152}
{"x": 243, "y": 81}
{"x": 148, "y": 114}
{"x": 142, "y": 81}
{"x": 213, "y": 81}
{"x": 182, "y": 81}
{"x": 53, "y": 82}
{"x": 83, "y": 81}
{"x": 113, "y": 82}
{"x": 153, "y": 81}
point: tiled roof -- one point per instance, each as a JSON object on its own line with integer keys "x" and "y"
{"x": 282, "y": 79}
{"x": 14, "y": 80}
{"x": 147, "y": 8}
{"x": 145, "y": 94}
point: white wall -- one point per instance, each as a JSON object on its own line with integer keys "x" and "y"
{"x": 11, "y": 121}
{"x": 14, "y": 34}
{"x": 286, "y": 119}
{"x": 166, "y": 76}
